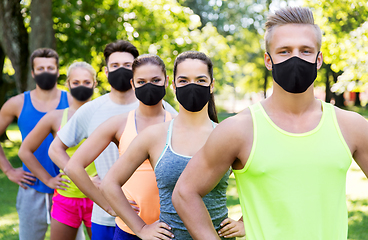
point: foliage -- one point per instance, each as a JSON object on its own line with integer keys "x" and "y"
{"x": 345, "y": 37}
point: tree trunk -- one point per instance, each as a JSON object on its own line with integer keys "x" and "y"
{"x": 42, "y": 33}
{"x": 14, "y": 39}
{"x": 339, "y": 98}
{"x": 4, "y": 87}
{"x": 357, "y": 100}
{"x": 328, "y": 87}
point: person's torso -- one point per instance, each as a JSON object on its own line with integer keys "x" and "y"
{"x": 293, "y": 185}
{"x": 27, "y": 120}
{"x": 73, "y": 191}
{"x": 141, "y": 186}
{"x": 168, "y": 169}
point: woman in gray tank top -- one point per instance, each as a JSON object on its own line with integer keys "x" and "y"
{"x": 169, "y": 147}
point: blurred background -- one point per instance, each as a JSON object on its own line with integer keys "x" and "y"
{"x": 230, "y": 32}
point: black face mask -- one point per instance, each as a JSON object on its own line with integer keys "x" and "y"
{"x": 81, "y": 93}
{"x": 294, "y": 75}
{"x": 193, "y": 97}
{"x": 45, "y": 80}
{"x": 150, "y": 94}
{"x": 120, "y": 79}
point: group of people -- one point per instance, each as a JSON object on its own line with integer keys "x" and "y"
{"x": 129, "y": 166}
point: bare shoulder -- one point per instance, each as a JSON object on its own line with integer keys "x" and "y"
{"x": 350, "y": 119}
{"x": 354, "y": 128}
{"x": 237, "y": 125}
{"x": 14, "y": 105}
{"x": 156, "y": 131}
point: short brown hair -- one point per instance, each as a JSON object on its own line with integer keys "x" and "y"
{"x": 44, "y": 53}
{"x": 289, "y": 15}
{"x": 120, "y": 46}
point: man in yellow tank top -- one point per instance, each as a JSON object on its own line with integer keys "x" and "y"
{"x": 290, "y": 153}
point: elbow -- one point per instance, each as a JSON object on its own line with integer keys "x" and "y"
{"x": 22, "y": 154}
{"x": 178, "y": 196}
{"x": 53, "y": 152}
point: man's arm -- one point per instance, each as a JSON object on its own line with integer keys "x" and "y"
{"x": 8, "y": 112}
{"x": 31, "y": 144}
{"x": 224, "y": 146}
{"x": 355, "y": 132}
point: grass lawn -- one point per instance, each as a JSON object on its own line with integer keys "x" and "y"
{"x": 358, "y": 209}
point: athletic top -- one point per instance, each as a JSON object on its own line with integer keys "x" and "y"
{"x": 84, "y": 121}
{"x": 293, "y": 184}
{"x": 73, "y": 191}
{"x": 168, "y": 169}
{"x": 141, "y": 186}
{"x": 27, "y": 120}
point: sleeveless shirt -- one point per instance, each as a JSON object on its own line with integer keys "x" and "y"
{"x": 27, "y": 120}
{"x": 293, "y": 184}
{"x": 141, "y": 186}
{"x": 73, "y": 191}
{"x": 168, "y": 169}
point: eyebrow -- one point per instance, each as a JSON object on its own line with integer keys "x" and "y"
{"x": 151, "y": 78}
{"x": 200, "y": 76}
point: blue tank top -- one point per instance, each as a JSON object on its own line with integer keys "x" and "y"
{"x": 168, "y": 169}
{"x": 27, "y": 120}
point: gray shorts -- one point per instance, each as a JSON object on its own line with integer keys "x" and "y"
{"x": 33, "y": 209}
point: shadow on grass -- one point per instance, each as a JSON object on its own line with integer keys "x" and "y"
{"x": 358, "y": 219}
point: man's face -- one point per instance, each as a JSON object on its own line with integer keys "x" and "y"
{"x": 118, "y": 60}
{"x": 43, "y": 64}
{"x": 293, "y": 40}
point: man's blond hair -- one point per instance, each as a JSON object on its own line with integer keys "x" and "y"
{"x": 290, "y": 15}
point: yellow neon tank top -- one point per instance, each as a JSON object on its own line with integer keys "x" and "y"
{"x": 293, "y": 185}
{"x": 73, "y": 191}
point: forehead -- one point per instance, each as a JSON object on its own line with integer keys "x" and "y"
{"x": 43, "y": 61}
{"x": 147, "y": 71}
{"x": 293, "y": 35}
{"x": 192, "y": 67}
{"x": 121, "y": 57}
{"x": 80, "y": 74}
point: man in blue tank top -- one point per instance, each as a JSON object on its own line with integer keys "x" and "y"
{"x": 34, "y": 197}
{"x": 280, "y": 149}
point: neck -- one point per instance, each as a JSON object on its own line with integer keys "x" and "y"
{"x": 122, "y": 98}
{"x": 150, "y": 111}
{"x": 280, "y": 100}
{"x": 76, "y": 104}
{"x": 46, "y": 95}
{"x": 193, "y": 118}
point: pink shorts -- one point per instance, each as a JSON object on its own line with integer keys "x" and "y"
{"x": 71, "y": 211}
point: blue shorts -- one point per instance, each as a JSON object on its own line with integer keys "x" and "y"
{"x": 122, "y": 235}
{"x": 101, "y": 232}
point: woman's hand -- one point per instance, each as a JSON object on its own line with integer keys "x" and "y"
{"x": 231, "y": 228}
{"x": 156, "y": 230}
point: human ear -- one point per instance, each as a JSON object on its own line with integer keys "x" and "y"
{"x": 319, "y": 60}
{"x": 131, "y": 83}
{"x": 267, "y": 61}
{"x": 212, "y": 85}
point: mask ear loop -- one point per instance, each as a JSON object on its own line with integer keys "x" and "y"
{"x": 317, "y": 56}
{"x": 270, "y": 57}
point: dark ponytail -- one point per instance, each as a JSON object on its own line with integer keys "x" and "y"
{"x": 212, "y": 113}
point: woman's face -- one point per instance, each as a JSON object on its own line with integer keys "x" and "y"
{"x": 81, "y": 77}
{"x": 148, "y": 73}
{"x": 192, "y": 71}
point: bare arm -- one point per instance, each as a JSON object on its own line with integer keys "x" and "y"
{"x": 86, "y": 154}
{"x": 202, "y": 174}
{"x": 8, "y": 112}
{"x": 355, "y": 131}
{"x": 118, "y": 174}
{"x": 30, "y": 145}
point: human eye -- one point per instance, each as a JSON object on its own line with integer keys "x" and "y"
{"x": 141, "y": 82}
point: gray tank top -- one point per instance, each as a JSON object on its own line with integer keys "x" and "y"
{"x": 168, "y": 169}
